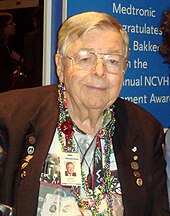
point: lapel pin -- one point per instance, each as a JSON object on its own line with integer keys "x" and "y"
{"x": 26, "y": 161}
{"x": 134, "y": 149}
{"x": 134, "y": 165}
{"x": 139, "y": 182}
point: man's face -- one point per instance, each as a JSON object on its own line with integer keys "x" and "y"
{"x": 94, "y": 89}
{"x": 70, "y": 168}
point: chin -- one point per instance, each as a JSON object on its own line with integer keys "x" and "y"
{"x": 96, "y": 105}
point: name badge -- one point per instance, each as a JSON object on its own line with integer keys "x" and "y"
{"x": 70, "y": 169}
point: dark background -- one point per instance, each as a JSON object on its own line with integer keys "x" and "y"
{"x": 24, "y": 24}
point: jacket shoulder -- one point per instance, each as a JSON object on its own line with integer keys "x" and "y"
{"x": 135, "y": 114}
{"x": 27, "y": 94}
{"x": 23, "y": 99}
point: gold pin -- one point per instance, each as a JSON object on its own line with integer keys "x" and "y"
{"x": 26, "y": 161}
{"x": 24, "y": 165}
{"x": 31, "y": 140}
{"x": 23, "y": 174}
{"x": 136, "y": 174}
{"x": 28, "y": 158}
{"x": 134, "y": 165}
{"x": 139, "y": 182}
{"x": 135, "y": 157}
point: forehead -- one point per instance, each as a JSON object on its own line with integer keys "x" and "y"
{"x": 108, "y": 40}
{"x": 70, "y": 164}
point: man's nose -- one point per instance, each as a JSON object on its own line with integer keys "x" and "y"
{"x": 99, "y": 69}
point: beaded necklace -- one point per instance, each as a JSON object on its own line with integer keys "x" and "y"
{"x": 65, "y": 126}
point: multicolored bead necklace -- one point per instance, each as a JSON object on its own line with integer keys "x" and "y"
{"x": 65, "y": 126}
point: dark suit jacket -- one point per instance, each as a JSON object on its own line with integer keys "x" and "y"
{"x": 29, "y": 118}
{"x": 67, "y": 174}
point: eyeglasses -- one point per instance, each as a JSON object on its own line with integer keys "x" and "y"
{"x": 85, "y": 60}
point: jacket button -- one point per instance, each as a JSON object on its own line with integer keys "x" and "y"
{"x": 31, "y": 140}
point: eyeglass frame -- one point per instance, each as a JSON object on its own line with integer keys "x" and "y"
{"x": 97, "y": 57}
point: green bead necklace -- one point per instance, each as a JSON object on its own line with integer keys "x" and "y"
{"x": 94, "y": 199}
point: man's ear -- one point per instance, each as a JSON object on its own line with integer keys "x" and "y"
{"x": 59, "y": 64}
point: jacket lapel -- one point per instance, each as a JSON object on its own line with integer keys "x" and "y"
{"x": 128, "y": 153}
{"x": 42, "y": 127}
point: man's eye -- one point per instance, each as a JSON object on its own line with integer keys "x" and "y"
{"x": 85, "y": 59}
{"x": 112, "y": 61}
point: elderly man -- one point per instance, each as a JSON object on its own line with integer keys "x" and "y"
{"x": 116, "y": 145}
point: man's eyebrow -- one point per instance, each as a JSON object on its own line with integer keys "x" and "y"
{"x": 110, "y": 50}
{"x": 86, "y": 49}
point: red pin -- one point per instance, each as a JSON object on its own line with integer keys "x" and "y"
{"x": 67, "y": 128}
